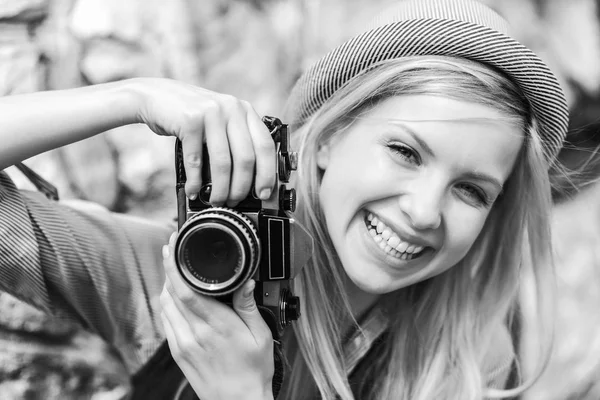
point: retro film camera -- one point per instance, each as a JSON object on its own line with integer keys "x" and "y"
{"x": 218, "y": 249}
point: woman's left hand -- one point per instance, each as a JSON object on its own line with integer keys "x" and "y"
{"x": 224, "y": 353}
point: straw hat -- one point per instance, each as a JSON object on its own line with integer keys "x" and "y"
{"x": 458, "y": 28}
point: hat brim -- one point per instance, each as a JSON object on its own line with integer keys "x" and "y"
{"x": 438, "y": 37}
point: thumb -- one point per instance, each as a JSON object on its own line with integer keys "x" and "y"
{"x": 244, "y": 305}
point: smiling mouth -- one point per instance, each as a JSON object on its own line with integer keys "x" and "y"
{"x": 389, "y": 242}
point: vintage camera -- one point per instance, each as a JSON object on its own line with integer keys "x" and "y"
{"x": 218, "y": 248}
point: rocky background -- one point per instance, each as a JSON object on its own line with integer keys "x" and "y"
{"x": 254, "y": 49}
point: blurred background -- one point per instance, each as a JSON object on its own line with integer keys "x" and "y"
{"x": 255, "y": 50}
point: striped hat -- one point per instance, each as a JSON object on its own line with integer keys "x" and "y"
{"x": 458, "y": 28}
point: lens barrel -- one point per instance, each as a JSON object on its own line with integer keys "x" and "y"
{"x": 217, "y": 250}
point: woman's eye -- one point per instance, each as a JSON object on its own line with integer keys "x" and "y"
{"x": 405, "y": 152}
{"x": 475, "y": 193}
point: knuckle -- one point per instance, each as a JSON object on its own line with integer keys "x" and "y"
{"x": 246, "y": 161}
{"x": 212, "y": 106}
{"x": 252, "y": 111}
{"x": 246, "y": 105}
{"x": 199, "y": 334}
{"x": 187, "y": 297}
{"x": 191, "y": 115}
{"x": 193, "y": 160}
{"x": 187, "y": 345}
{"x": 244, "y": 308}
{"x": 231, "y": 101}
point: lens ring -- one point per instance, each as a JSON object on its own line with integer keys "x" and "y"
{"x": 235, "y": 226}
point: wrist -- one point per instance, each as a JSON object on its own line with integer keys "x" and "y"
{"x": 130, "y": 97}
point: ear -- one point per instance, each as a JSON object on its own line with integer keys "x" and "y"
{"x": 323, "y": 156}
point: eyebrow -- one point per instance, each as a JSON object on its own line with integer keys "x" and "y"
{"x": 415, "y": 137}
{"x": 470, "y": 175}
{"x": 485, "y": 177}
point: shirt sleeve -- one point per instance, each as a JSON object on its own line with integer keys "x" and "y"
{"x": 83, "y": 263}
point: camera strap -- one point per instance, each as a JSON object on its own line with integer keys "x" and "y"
{"x": 40, "y": 183}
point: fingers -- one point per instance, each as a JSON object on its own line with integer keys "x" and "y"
{"x": 209, "y": 309}
{"x": 170, "y": 334}
{"x": 242, "y": 153}
{"x": 240, "y": 149}
{"x": 264, "y": 150}
{"x": 252, "y": 152}
{"x": 177, "y": 287}
{"x": 176, "y": 328}
{"x": 175, "y": 284}
{"x": 192, "y": 161}
{"x": 192, "y": 306}
{"x": 244, "y": 305}
{"x": 218, "y": 145}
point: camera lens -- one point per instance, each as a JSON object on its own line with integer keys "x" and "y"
{"x": 214, "y": 253}
{"x": 217, "y": 251}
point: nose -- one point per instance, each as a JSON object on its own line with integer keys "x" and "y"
{"x": 422, "y": 204}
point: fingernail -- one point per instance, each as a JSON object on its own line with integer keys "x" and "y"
{"x": 249, "y": 289}
{"x": 193, "y": 196}
{"x": 172, "y": 238}
{"x": 165, "y": 251}
{"x": 265, "y": 194}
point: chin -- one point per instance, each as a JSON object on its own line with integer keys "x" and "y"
{"x": 375, "y": 282}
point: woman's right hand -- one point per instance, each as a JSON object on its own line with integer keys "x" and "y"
{"x": 239, "y": 144}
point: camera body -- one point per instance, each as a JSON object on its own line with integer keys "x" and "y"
{"x": 218, "y": 248}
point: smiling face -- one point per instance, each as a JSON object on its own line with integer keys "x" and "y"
{"x": 407, "y": 188}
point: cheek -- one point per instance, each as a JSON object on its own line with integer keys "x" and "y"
{"x": 352, "y": 176}
{"x": 343, "y": 191}
{"x": 463, "y": 229}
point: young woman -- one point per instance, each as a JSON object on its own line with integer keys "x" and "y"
{"x": 425, "y": 145}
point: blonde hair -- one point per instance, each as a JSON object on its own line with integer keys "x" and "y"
{"x": 448, "y": 322}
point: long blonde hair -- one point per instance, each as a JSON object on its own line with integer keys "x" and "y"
{"x": 442, "y": 328}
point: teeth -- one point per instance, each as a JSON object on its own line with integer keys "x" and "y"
{"x": 394, "y": 241}
{"x": 389, "y": 241}
{"x": 402, "y": 247}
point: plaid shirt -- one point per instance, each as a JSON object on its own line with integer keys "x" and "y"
{"x": 82, "y": 263}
